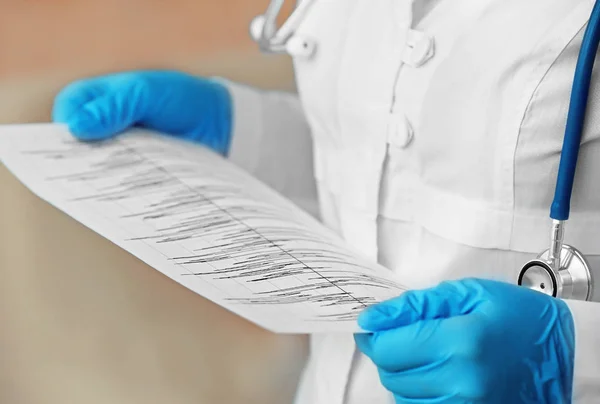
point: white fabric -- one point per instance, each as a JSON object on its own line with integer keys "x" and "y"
{"x": 440, "y": 162}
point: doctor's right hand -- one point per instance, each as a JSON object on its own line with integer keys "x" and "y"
{"x": 175, "y": 103}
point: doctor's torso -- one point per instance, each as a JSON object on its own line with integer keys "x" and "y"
{"x": 449, "y": 117}
{"x": 437, "y": 129}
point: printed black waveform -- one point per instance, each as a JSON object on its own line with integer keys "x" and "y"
{"x": 250, "y": 239}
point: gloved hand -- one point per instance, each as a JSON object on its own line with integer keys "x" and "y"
{"x": 472, "y": 341}
{"x": 176, "y": 103}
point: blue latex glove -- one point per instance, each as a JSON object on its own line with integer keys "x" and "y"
{"x": 472, "y": 341}
{"x": 176, "y": 103}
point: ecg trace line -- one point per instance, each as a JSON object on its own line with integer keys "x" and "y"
{"x": 225, "y": 211}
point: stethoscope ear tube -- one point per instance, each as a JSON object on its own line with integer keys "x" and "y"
{"x": 263, "y": 30}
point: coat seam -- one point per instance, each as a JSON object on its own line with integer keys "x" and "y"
{"x": 528, "y": 107}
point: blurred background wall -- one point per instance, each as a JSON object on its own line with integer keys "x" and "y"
{"x": 80, "y": 320}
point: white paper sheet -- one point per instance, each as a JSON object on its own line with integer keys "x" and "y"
{"x": 203, "y": 222}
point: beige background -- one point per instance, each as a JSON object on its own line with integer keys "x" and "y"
{"x": 80, "y": 320}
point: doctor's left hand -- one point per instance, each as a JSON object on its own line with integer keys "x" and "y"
{"x": 472, "y": 341}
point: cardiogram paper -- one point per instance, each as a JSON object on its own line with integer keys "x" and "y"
{"x": 203, "y": 222}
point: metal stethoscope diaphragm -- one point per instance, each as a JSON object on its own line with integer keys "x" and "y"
{"x": 560, "y": 271}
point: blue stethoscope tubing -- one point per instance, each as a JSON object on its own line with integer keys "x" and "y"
{"x": 561, "y": 205}
{"x": 563, "y": 271}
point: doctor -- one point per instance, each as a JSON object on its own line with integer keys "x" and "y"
{"x": 428, "y": 134}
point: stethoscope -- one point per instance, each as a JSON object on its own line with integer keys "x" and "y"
{"x": 263, "y": 30}
{"x": 561, "y": 271}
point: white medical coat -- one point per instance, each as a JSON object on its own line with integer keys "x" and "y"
{"x": 431, "y": 132}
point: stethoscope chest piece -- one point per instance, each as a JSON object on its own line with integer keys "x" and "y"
{"x": 568, "y": 278}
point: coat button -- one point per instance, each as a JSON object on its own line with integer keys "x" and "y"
{"x": 420, "y": 47}
{"x": 401, "y": 132}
